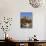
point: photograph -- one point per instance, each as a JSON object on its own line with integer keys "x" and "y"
{"x": 26, "y": 19}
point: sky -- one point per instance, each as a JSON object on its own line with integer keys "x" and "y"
{"x": 28, "y": 14}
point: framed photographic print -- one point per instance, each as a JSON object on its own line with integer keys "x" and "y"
{"x": 26, "y": 19}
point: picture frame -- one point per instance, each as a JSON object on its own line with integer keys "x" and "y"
{"x": 26, "y": 19}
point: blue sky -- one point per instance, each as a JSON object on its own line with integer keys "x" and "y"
{"x": 26, "y": 14}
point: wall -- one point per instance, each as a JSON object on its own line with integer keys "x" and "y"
{"x": 12, "y": 8}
